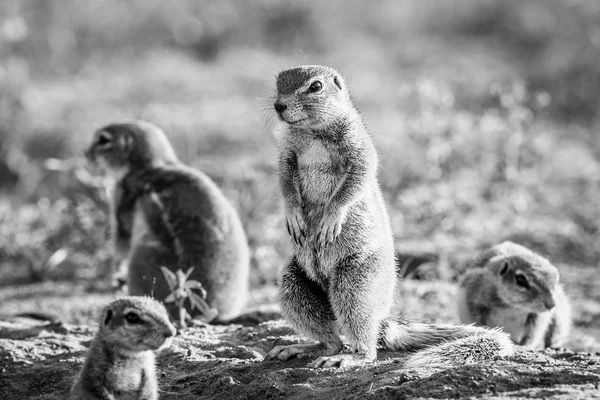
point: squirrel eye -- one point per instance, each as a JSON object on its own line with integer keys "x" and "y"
{"x": 132, "y": 318}
{"x": 522, "y": 281}
{"x": 315, "y": 87}
{"x": 103, "y": 138}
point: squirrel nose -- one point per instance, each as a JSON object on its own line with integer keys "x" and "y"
{"x": 280, "y": 107}
{"x": 171, "y": 332}
{"x": 549, "y": 303}
{"x": 88, "y": 154}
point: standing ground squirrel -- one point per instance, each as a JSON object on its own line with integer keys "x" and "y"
{"x": 341, "y": 278}
{"x": 164, "y": 213}
{"x": 121, "y": 362}
{"x": 515, "y": 289}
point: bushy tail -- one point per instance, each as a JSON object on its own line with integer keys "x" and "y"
{"x": 445, "y": 345}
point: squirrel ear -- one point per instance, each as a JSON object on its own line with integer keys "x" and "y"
{"x": 504, "y": 268}
{"x": 108, "y": 316}
{"x": 337, "y": 82}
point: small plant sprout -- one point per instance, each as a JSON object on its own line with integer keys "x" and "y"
{"x": 181, "y": 289}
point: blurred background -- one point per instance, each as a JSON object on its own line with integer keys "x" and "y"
{"x": 485, "y": 114}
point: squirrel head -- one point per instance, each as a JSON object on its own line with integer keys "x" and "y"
{"x": 135, "y": 323}
{"x": 311, "y": 96}
{"x": 526, "y": 281}
{"x": 120, "y": 147}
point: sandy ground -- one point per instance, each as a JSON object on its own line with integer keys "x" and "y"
{"x": 226, "y": 362}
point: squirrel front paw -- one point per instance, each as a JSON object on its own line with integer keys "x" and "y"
{"x": 296, "y": 226}
{"x": 331, "y": 226}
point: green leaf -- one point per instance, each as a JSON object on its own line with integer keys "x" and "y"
{"x": 170, "y": 277}
{"x": 195, "y": 285}
{"x": 180, "y": 277}
{"x": 170, "y": 298}
{"x": 199, "y": 303}
{"x": 188, "y": 273}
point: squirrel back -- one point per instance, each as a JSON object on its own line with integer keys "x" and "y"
{"x": 165, "y": 213}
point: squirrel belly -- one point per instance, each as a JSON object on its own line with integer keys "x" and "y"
{"x": 165, "y": 213}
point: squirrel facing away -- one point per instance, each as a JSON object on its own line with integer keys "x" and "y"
{"x": 341, "y": 277}
{"x": 120, "y": 363}
{"x": 164, "y": 213}
{"x": 513, "y": 288}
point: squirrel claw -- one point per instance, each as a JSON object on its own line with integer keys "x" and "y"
{"x": 295, "y": 228}
{"x": 330, "y": 229}
{"x": 284, "y": 353}
{"x": 338, "y": 360}
{"x": 300, "y": 224}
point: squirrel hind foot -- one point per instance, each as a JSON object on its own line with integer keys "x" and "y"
{"x": 302, "y": 350}
{"x": 341, "y": 361}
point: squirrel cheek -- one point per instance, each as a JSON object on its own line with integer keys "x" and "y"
{"x": 294, "y": 111}
{"x": 90, "y": 155}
